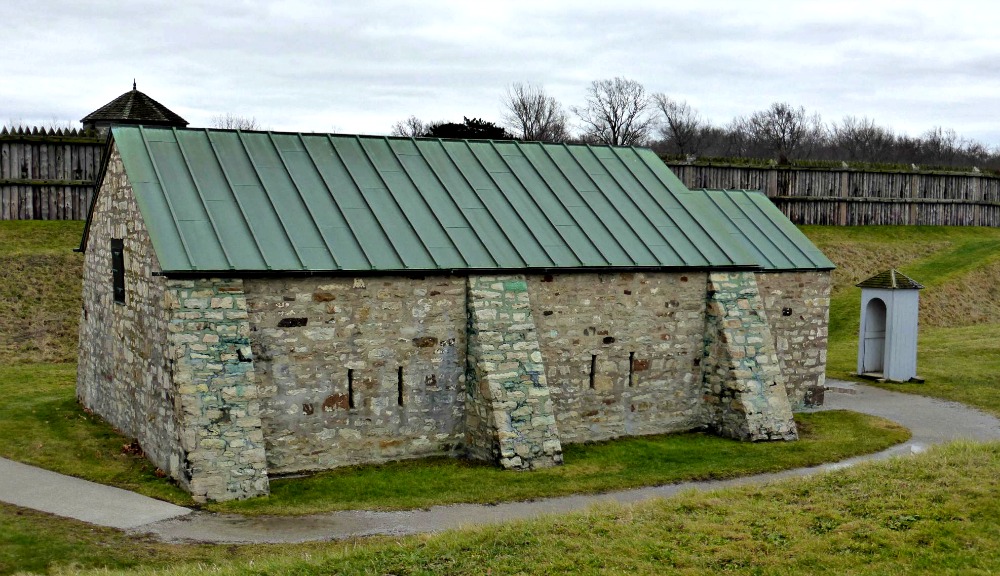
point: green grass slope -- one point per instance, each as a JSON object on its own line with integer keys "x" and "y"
{"x": 959, "y": 341}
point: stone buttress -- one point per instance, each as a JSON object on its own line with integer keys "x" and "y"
{"x": 509, "y": 412}
{"x": 745, "y": 390}
{"x": 217, "y": 394}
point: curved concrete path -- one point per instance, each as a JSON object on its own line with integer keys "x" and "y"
{"x": 931, "y": 421}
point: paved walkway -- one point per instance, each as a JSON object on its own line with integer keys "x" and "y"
{"x": 32, "y": 487}
{"x": 931, "y": 422}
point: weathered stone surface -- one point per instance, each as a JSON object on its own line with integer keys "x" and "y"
{"x": 798, "y": 311}
{"x": 742, "y": 377}
{"x": 334, "y": 382}
{"x": 509, "y": 413}
{"x": 124, "y": 370}
{"x": 224, "y": 440}
{"x": 621, "y": 351}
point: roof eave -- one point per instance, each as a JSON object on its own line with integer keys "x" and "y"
{"x": 189, "y": 274}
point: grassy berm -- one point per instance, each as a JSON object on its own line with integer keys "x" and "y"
{"x": 935, "y": 513}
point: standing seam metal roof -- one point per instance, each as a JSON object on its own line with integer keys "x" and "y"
{"x": 227, "y": 201}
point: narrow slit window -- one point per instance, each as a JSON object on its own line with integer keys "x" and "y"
{"x": 399, "y": 386}
{"x": 631, "y": 369}
{"x": 118, "y": 269}
{"x": 593, "y": 368}
{"x": 350, "y": 388}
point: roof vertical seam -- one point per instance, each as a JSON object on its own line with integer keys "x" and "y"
{"x": 680, "y": 200}
{"x": 458, "y": 207}
{"x": 170, "y": 205}
{"x": 423, "y": 199}
{"x": 236, "y": 197}
{"x": 267, "y": 193}
{"x": 666, "y": 212}
{"x": 480, "y": 198}
{"x": 298, "y": 190}
{"x": 752, "y": 196}
{"x": 531, "y": 196}
{"x": 361, "y": 193}
{"x": 395, "y": 200}
{"x": 336, "y": 202}
{"x": 597, "y": 187}
{"x": 628, "y": 195}
{"x": 722, "y": 210}
{"x": 597, "y": 217}
{"x": 509, "y": 203}
{"x": 766, "y": 235}
{"x": 201, "y": 198}
{"x": 555, "y": 196}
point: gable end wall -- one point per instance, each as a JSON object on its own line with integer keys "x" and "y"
{"x": 124, "y": 371}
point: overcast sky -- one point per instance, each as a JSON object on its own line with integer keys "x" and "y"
{"x": 359, "y": 66}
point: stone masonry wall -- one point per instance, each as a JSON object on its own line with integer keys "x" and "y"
{"x": 798, "y": 308}
{"x": 359, "y": 370}
{"x": 622, "y": 352}
{"x": 123, "y": 370}
{"x": 744, "y": 387}
{"x": 509, "y": 413}
{"x": 217, "y": 394}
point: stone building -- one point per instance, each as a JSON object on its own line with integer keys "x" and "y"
{"x": 261, "y": 303}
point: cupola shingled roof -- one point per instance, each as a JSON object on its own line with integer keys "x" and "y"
{"x": 134, "y": 107}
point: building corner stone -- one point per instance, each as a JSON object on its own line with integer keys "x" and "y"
{"x": 218, "y": 398}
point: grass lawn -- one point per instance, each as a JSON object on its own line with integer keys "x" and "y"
{"x": 959, "y": 342}
{"x": 588, "y": 468}
{"x": 931, "y": 514}
{"x": 41, "y": 424}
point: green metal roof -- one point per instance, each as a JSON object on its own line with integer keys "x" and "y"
{"x": 227, "y": 201}
{"x": 751, "y": 218}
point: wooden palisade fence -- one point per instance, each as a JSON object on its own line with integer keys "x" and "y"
{"x": 854, "y": 198}
{"x": 48, "y": 174}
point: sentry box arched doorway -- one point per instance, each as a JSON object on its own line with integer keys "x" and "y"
{"x": 887, "y": 341}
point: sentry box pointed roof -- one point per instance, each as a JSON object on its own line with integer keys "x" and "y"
{"x": 891, "y": 280}
{"x": 229, "y": 202}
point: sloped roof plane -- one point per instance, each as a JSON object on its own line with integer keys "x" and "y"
{"x": 224, "y": 201}
{"x": 135, "y": 107}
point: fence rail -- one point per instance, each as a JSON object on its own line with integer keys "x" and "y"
{"x": 48, "y": 174}
{"x": 854, "y": 198}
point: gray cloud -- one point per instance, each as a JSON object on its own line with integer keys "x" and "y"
{"x": 359, "y": 66}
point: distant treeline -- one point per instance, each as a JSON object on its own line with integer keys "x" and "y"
{"x": 620, "y": 111}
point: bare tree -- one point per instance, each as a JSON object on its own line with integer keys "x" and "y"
{"x": 232, "y": 121}
{"x": 939, "y": 146}
{"x": 412, "y": 127}
{"x": 617, "y": 112}
{"x": 861, "y": 139}
{"x": 781, "y": 130}
{"x": 531, "y": 114}
{"x": 681, "y": 126}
